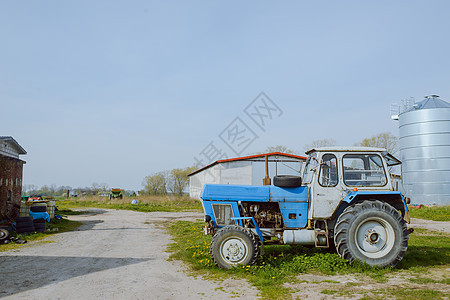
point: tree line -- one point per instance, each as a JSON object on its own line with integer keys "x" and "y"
{"x": 61, "y": 191}
{"x": 174, "y": 182}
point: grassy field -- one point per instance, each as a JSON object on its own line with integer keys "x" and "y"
{"x": 435, "y": 213}
{"x": 145, "y": 203}
{"x": 281, "y": 264}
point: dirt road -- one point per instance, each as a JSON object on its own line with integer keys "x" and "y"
{"x": 430, "y": 225}
{"x": 114, "y": 255}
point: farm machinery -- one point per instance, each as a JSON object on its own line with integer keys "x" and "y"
{"x": 344, "y": 199}
{"x": 116, "y": 193}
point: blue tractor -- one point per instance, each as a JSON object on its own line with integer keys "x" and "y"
{"x": 345, "y": 199}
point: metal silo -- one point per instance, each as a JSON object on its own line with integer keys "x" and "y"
{"x": 425, "y": 150}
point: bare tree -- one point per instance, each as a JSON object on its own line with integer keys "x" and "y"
{"x": 320, "y": 143}
{"x": 156, "y": 184}
{"x": 100, "y": 187}
{"x": 279, "y": 148}
{"x": 29, "y": 189}
{"x": 384, "y": 140}
{"x": 178, "y": 180}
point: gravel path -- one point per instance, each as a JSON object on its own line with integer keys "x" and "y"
{"x": 114, "y": 255}
{"x": 430, "y": 225}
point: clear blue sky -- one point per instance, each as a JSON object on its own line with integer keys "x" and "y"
{"x": 112, "y": 91}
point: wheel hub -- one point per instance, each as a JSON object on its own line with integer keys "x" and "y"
{"x": 372, "y": 237}
{"x": 234, "y": 250}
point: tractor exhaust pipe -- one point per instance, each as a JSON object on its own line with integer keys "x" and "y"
{"x": 266, "y": 180}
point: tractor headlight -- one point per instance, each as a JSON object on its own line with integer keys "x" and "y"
{"x": 207, "y": 218}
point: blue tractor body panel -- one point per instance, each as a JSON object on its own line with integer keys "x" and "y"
{"x": 227, "y": 192}
{"x": 295, "y": 215}
{"x": 293, "y": 202}
{"x": 265, "y": 193}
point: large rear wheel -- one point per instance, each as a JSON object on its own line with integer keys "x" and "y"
{"x": 233, "y": 245}
{"x": 371, "y": 232}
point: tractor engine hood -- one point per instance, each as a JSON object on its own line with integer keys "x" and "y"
{"x": 227, "y": 192}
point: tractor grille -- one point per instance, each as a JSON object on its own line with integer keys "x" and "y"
{"x": 223, "y": 214}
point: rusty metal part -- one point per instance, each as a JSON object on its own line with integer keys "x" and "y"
{"x": 407, "y": 218}
{"x": 266, "y": 180}
{"x": 266, "y": 215}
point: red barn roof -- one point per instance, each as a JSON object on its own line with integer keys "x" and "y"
{"x": 251, "y": 157}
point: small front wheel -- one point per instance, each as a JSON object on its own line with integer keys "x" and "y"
{"x": 233, "y": 245}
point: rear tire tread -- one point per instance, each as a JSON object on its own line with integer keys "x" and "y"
{"x": 345, "y": 221}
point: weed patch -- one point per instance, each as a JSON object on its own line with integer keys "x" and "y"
{"x": 426, "y": 248}
{"x": 145, "y": 203}
{"x": 425, "y": 280}
{"x": 435, "y": 213}
{"x": 412, "y": 294}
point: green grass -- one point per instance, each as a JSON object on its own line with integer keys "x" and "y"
{"x": 282, "y": 263}
{"x": 425, "y": 280}
{"x": 426, "y": 248}
{"x": 68, "y": 212}
{"x": 410, "y": 294}
{"x": 435, "y": 213}
{"x": 145, "y": 203}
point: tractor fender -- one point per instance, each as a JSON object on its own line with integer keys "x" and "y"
{"x": 394, "y": 198}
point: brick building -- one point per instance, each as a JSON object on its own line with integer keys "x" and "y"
{"x": 11, "y": 167}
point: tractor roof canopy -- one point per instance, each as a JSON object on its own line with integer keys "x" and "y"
{"x": 391, "y": 160}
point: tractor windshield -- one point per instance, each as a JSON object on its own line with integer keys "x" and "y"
{"x": 364, "y": 170}
{"x": 310, "y": 166}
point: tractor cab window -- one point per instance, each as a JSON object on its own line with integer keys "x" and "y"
{"x": 363, "y": 170}
{"x": 310, "y": 167}
{"x": 328, "y": 171}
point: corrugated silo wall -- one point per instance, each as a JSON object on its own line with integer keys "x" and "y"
{"x": 425, "y": 155}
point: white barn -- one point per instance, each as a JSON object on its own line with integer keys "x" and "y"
{"x": 248, "y": 170}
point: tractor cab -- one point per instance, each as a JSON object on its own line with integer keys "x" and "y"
{"x": 333, "y": 173}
